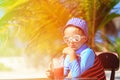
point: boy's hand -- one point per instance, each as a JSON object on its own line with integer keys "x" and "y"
{"x": 69, "y": 51}
{"x": 49, "y": 74}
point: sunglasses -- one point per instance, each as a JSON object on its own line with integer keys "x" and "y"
{"x": 75, "y": 38}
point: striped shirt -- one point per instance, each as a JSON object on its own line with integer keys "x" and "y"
{"x": 97, "y": 71}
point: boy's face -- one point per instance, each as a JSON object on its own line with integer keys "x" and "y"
{"x": 74, "y": 37}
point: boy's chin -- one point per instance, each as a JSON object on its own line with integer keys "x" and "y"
{"x": 74, "y": 48}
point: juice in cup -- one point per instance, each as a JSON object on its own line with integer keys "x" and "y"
{"x": 58, "y": 72}
{"x": 58, "y": 68}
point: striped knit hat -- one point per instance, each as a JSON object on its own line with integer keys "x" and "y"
{"x": 80, "y": 23}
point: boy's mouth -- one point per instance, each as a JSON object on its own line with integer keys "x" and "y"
{"x": 73, "y": 46}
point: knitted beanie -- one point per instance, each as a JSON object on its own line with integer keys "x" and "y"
{"x": 80, "y": 23}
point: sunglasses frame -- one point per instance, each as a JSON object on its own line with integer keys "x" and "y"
{"x": 72, "y": 38}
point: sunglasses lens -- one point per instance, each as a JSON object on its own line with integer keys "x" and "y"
{"x": 75, "y": 38}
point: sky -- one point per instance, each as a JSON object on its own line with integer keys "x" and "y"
{"x": 116, "y": 8}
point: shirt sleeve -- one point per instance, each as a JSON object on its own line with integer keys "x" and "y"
{"x": 66, "y": 66}
{"x": 84, "y": 62}
{"x": 75, "y": 68}
{"x": 87, "y": 60}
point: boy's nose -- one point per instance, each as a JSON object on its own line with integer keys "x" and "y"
{"x": 71, "y": 42}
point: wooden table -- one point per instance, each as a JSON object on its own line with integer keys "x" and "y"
{"x": 51, "y": 79}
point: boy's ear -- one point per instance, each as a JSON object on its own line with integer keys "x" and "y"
{"x": 86, "y": 38}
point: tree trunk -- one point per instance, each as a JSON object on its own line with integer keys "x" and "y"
{"x": 93, "y": 25}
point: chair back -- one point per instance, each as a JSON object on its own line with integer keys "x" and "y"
{"x": 110, "y": 62}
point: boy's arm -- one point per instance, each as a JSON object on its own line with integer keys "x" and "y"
{"x": 87, "y": 60}
{"x": 72, "y": 63}
{"x": 81, "y": 64}
{"x": 66, "y": 66}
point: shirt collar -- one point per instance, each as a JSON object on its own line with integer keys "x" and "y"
{"x": 83, "y": 47}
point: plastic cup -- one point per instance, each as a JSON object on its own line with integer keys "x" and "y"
{"x": 58, "y": 68}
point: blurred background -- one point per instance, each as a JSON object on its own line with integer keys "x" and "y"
{"x": 31, "y": 31}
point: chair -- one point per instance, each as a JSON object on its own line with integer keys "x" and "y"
{"x": 110, "y": 62}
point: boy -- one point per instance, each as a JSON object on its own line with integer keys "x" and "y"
{"x": 80, "y": 60}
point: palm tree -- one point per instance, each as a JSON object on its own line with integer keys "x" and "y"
{"x": 39, "y": 23}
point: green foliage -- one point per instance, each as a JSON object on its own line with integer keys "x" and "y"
{"x": 4, "y": 68}
{"x": 39, "y": 23}
{"x": 118, "y": 45}
{"x": 108, "y": 18}
{"x": 8, "y": 33}
{"x": 7, "y": 3}
{"x": 103, "y": 12}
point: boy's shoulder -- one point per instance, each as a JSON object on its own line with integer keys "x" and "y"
{"x": 88, "y": 51}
